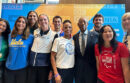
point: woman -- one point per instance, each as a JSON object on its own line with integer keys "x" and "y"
{"x": 32, "y": 21}
{"x": 111, "y": 58}
{"x": 62, "y": 55}
{"x": 20, "y": 42}
{"x": 40, "y": 52}
{"x": 4, "y": 32}
{"x": 126, "y": 27}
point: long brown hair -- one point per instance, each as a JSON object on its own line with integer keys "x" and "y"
{"x": 7, "y": 31}
{"x": 26, "y": 31}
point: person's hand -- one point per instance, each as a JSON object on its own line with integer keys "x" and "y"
{"x": 50, "y": 75}
{"x": 58, "y": 79}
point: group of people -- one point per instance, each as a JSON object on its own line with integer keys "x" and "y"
{"x": 33, "y": 53}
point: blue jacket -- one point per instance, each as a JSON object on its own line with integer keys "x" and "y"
{"x": 39, "y": 59}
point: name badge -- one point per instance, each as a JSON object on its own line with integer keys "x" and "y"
{"x": 0, "y": 55}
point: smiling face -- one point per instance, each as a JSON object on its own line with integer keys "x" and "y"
{"x": 98, "y": 21}
{"x": 57, "y": 24}
{"x": 82, "y": 24}
{"x": 2, "y": 26}
{"x": 32, "y": 18}
{"x": 21, "y": 24}
{"x": 43, "y": 22}
{"x": 126, "y": 23}
{"x": 67, "y": 28}
{"x": 107, "y": 34}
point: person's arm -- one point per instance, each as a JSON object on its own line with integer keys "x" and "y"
{"x": 125, "y": 67}
{"x": 96, "y": 56}
{"x": 97, "y": 63}
{"x": 124, "y": 54}
{"x": 53, "y": 62}
{"x": 51, "y": 73}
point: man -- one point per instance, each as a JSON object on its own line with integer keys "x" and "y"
{"x": 57, "y": 22}
{"x": 97, "y": 21}
{"x": 85, "y": 63}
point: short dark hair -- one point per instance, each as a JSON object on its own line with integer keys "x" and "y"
{"x": 113, "y": 42}
{"x": 98, "y": 15}
{"x": 65, "y": 21}
{"x": 57, "y": 17}
{"x": 7, "y": 31}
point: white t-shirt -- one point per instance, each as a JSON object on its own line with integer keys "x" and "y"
{"x": 65, "y": 52}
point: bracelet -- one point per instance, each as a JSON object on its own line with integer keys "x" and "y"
{"x": 56, "y": 75}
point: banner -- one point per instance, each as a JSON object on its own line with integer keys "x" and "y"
{"x": 112, "y": 13}
{"x": 0, "y": 8}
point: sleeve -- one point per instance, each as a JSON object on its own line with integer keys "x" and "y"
{"x": 96, "y": 50}
{"x": 55, "y": 45}
{"x": 31, "y": 40}
{"x": 124, "y": 51}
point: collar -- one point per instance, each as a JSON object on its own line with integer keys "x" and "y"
{"x": 59, "y": 32}
{"x": 86, "y": 32}
{"x": 95, "y": 30}
{"x": 44, "y": 33}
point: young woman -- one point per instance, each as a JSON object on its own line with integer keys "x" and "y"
{"x": 32, "y": 21}
{"x": 126, "y": 27}
{"x": 40, "y": 52}
{"x": 4, "y": 32}
{"x": 62, "y": 55}
{"x": 20, "y": 42}
{"x": 111, "y": 57}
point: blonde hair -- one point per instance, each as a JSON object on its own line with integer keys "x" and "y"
{"x": 126, "y": 15}
{"x": 43, "y": 15}
{"x": 26, "y": 31}
{"x": 47, "y": 19}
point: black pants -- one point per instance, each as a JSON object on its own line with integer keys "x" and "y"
{"x": 38, "y": 74}
{"x": 67, "y": 75}
{"x": 15, "y": 76}
{"x": 84, "y": 72}
{"x": 2, "y": 68}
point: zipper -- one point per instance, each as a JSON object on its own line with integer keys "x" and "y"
{"x": 35, "y": 59}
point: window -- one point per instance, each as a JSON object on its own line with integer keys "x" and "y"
{"x": 53, "y": 1}
{"x": 34, "y": 1}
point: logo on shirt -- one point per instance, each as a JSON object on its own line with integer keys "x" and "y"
{"x": 14, "y": 42}
{"x": 69, "y": 48}
{"x": 108, "y": 59}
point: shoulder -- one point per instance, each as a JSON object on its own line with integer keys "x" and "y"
{"x": 121, "y": 44}
{"x": 37, "y": 31}
{"x": 76, "y": 35}
{"x": 52, "y": 32}
{"x": 31, "y": 36}
{"x": 96, "y": 45}
{"x": 93, "y": 33}
{"x": 59, "y": 38}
